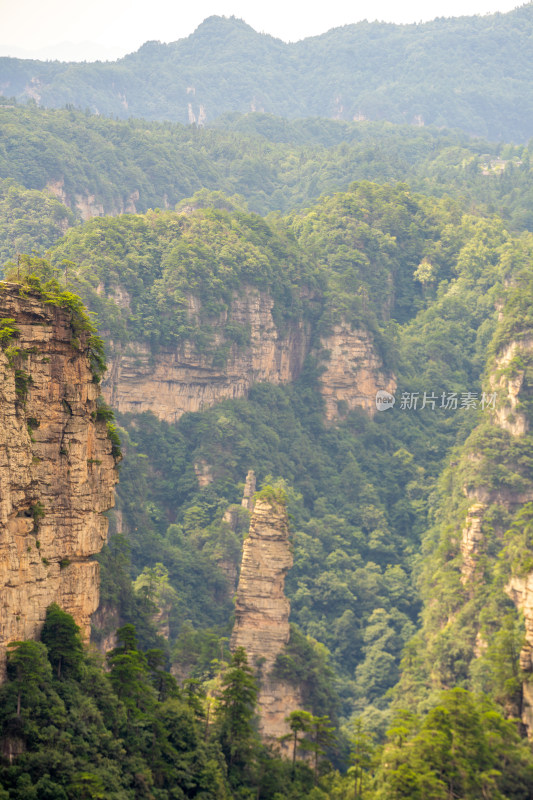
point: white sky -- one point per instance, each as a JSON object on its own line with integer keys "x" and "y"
{"x": 111, "y": 28}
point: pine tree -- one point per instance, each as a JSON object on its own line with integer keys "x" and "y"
{"x": 61, "y": 636}
{"x": 236, "y": 710}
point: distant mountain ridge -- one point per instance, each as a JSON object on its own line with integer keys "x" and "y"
{"x": 472, "y": 73}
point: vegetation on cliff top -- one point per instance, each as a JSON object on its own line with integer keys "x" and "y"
{"x": 142, "y": 273}
{"x": 96, "y": 165}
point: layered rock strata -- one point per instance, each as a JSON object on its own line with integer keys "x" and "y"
{"x": 57, "y": 471}
{"x": 353, "y": 372}
{"x": 262, "y": 613}
{"x": 178, "y": 380}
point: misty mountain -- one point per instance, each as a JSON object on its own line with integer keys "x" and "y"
{"x": 472, "y": 73}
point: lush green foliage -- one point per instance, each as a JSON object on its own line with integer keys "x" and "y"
{"x": 80, "y": 732}
{"x": 98, "y": 165}
{"x": 139, "y": 272}
{"x": 462, "y": 748}
{"x": 378, "y": 506}
{"x": 425, "y": 277}
{"x": 472, "y": 633}
{"x": 29, "y": 220}
{"x": 69, "y": 730}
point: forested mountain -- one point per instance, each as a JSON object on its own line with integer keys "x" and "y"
{"x": 95, "y": 166}
{"x": 471, "y": 73}
{"x": 259, "y": 283}
{"x": 361, "y": 489}
{"x": 424, "y": 278}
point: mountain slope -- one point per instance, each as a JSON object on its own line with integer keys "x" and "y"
{"x": 472, "y": 73}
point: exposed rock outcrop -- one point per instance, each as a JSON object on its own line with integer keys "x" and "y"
{"x": 88, "y": 205}
{"x": 520, "y": 590}
{"x": 509, "y": 380}
{"x": 57, "y": 471}
{"x": 353, "y": 372}
{"x": 262, "y": 613}
{"x": 180, "y": 380}
{"x": 509, "y": 384}
{"x": 175, "y": 381}
{"x": 471, "y": 539}
{"x": 249, "y": 491}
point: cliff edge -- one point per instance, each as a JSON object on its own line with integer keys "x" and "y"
{"x": 57, "y": 468}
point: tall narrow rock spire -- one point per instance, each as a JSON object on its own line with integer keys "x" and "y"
{"x": 262, "y": 613}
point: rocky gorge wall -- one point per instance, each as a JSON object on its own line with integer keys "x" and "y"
{"x": 174, "y": 381}
{"x": 57, "y": 471}
{"x": 511, "y": 381}
{"x": 262, "y": 614}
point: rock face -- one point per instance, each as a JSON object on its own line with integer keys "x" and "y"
{"x": 88, "y": 205}
{"x": 249, "y": 491}
{"x": 520, "y": 590}
{"x": 512, "y": 379}
{"x": 181, "y": 380}
{"x": 471, "y": 539}
{"x": 262, "y": 613}
{"x": 178, "y": 380}
{"x": 57, "y": 472}
{"x": 353, "y": 373}
{"x": 509, "y": 380}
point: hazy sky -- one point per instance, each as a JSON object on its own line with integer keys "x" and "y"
{"x": 115, "y": 27}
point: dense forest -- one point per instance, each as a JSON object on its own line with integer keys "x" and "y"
{"x": 411, "y": 530}
{"x": 471, "y": 73}
{"x": 95, "y": 166}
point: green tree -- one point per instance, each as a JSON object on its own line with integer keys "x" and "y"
{"x": 320, "y": 737}
{"x": 300, "y": 724}
{"x": 28, "y": 668}
{"x": 129, "y": 673}
{"x": 361, "y": 752}
{"x": 236, "y": 710}
{"x": 62, "y": 638}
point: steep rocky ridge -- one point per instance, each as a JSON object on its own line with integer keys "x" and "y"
{"x": 262, "y": 613}
{"x": 57, "y": 471}
{"x": 517, "y": 383}
{"x": 510, "y": 384}
{"x": 174, "y": 381}
{"x": 492, "y": 506}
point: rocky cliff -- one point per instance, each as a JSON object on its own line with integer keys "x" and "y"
{"x": 174, "y": 381}
{"x": 511, "y": 380}
{"x": 57, "y": 471}
{"x": 353, "y": 372}
{"x": 262, "y": 613}
{"x": 89, "y": 205}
